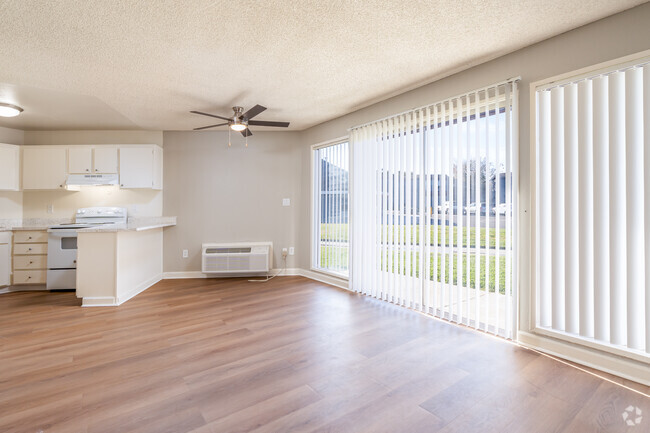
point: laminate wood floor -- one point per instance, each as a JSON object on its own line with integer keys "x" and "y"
{"x": 290, "y": 355}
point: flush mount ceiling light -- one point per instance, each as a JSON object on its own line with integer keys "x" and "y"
{"x": 9, "y": 110}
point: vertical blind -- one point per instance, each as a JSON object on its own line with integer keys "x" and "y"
{"x": 432, "y": 201}
{"x": 331, "y": 173}
{"x": 593, "y": 208}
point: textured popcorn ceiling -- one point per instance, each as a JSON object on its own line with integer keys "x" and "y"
{"x": 127, "y": 64}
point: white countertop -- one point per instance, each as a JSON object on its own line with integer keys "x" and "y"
{"x": 31, "y": 223}
{"x": 133, "y": 224}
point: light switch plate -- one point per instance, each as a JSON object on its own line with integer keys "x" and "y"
{"x": 291, "y": 251}
{"x": 185, "y": 254}
{"x": 50, "y": 208}
{"x": 286, "y": 202}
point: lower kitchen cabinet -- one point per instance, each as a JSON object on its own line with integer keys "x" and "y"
{"x": 30, "y": 257}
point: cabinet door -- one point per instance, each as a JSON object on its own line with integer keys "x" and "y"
{"x": 4, "y": 264}
{"x": 105, "y": 160}
{"x": 136, "y": 167}
{"x": 80, "y": 160}
{"x": 157, "y": 168}
{"x": 44, "y": 168}
{"x": 9, "y": 167}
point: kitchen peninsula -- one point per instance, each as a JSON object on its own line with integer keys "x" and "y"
{"x": 117, "y": 262}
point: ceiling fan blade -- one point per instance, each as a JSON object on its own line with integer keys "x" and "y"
{"x": 265, "y": 123}
{"x": 246, "y": 132}
{"x": 211, "y": 126}
{"x": 253, "y": 112}
{"x": 211, "y": 115}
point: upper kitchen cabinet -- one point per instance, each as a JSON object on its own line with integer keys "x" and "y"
{"x": 86, "y": 160}
{"x": 141, "y": 167}
{"x": 105, "y": 160}
{"x": 80, "y": 160}
{"x": 9, "y": 167}
{"x": 44, "y": 167}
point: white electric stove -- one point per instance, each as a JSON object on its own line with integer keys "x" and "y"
{"x": 62, "y": 244}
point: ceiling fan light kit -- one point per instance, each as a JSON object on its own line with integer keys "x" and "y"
{"x": 239, "y": 127}
{"x": 240, "y": 121}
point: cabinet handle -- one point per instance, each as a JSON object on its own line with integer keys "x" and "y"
{"x": 29, "y": 237}
{"x": 29, "y": 277}
{"x": 29, "y": 249}
{"x": 60, "y": 186}
{"x": 96, "y": 169}
{"x": 121, "y": 184}
{"x": 31, "y": 263}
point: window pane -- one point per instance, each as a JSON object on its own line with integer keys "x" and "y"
{"x": 331, "y": 178}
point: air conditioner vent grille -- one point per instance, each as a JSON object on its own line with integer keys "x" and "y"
{"x": 227, "y": 250}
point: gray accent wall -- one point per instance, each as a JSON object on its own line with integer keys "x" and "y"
{"x": 231, "y": 194}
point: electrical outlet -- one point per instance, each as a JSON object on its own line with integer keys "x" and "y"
{"x": 284, "y": 253}
{"x": 185, "y": 254}
{"x": 286, "y": 202}
{"x": 291, "y": 251}
{"x": 50, "y": 208}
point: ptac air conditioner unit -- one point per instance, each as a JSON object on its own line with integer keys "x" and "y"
{"x": 236, "y": 258}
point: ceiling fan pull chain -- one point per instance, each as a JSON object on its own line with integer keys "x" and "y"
{"x": 228, "y": 137}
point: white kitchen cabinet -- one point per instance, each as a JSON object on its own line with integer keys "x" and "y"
{"x": 86, "y": 160}
{"x": 9, "y": 167}
{"x": 44, "y": 167}
{"x": 5, "y": 259}
{"x": 157, "y": 168}
{"x": 80, "y": 160}
{"x": 141, "y": 167}
{"x": 30, "y": 257}
{"x": 105, "y": 160}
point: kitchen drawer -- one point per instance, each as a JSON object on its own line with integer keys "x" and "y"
{"x": 30, "y": 237}
{"x": 22, "y": 249}
{"x": 30, "y": 277}
{"x": 30, "y": 262}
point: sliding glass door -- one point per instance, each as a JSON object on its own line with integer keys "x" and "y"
{"x": 433, "y": 221}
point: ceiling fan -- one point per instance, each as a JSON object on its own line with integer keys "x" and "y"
{"x": 240, "y": 121}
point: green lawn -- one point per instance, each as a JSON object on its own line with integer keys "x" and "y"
{"x": 330, "y": 257}
{"x": 331, "y": 231}
{"x": 334, "y": 258}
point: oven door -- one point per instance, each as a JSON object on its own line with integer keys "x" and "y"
{"x": 62, "y": 249}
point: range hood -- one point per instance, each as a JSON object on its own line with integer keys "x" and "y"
{"x": 91, "y": 179}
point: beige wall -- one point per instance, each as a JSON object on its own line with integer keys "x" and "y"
{"x": 11, "y": 202}
{"x": 138, "y": 202}
{"x": 610, "y": 38}
{"x": 230, "y": 194}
